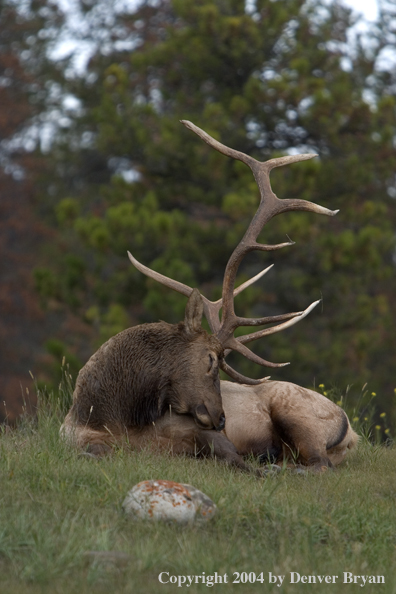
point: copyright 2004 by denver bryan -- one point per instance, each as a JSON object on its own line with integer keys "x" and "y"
{"x": 291, "y": 577}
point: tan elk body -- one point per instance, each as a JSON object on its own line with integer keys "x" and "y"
{"x": 158, "y": 385}
{"x": 275, "y": 421}
{"x": 279, "y": 421}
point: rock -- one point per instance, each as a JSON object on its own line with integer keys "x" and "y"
{"x": 168, "y": 501}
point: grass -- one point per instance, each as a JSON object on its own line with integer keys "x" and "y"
{"x": 62, "y": 528}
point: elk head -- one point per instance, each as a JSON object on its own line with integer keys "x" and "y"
{"x": 197, "y": 371}
{"x": 270, "y": 205}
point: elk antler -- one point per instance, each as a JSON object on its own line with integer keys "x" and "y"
{"x": 270, "y": 206}
{"x": 211, "y": 308}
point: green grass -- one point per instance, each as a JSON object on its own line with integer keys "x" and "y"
{"x": 56, "y": 508}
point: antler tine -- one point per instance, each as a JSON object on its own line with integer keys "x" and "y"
{"x": 249, "y": 282}
{"x": 242, "y": 379}
{"x": 261, "y": 169}
{"x": 211, "y": 308}
{"x": 295, "y": 318}
{"x": 270, "y": 206}
{"x": 292, "y": 318}
{"x": 218, "y": 146}
{"x": 164, "y": 280}
{"x": 236, "y": 345}
{"x": 242, "y": 340}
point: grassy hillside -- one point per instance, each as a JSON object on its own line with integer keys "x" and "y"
{"x": 62, "y": 528}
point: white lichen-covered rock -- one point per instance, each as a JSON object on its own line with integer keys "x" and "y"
{"x": 168, "y": 501}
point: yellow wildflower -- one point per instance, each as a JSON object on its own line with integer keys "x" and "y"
{"x": 373, "y": 394}
{"x": 355, "y": 419}
{"x": 387, "y": 431}
{"x": 322, "y": 386}
{"x": 382, "y": 415}
{"x": 378, "y": 427}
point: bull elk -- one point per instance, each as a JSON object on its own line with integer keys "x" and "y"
{"x": 158, "y": 385}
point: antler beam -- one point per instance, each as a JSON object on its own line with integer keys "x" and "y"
{"x": 270, "y": 206}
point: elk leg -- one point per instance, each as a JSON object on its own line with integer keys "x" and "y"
{"x": 97, "y": 450}
{"x": 212, "y": 443}
{"x": 93, "y": 442}
{"x": 300, "y": 442}
{"x": 181, "y": 435}
{"x": 306, "y": 451}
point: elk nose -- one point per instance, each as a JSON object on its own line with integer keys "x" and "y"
{"x": 221, "y": 424}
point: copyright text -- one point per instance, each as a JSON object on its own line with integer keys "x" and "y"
{"x": 293, "y": 577}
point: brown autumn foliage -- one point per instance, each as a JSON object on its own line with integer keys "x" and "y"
{"x": 24, "y": 325}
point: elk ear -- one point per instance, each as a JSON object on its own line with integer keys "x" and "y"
{"x": 194, "y": 312}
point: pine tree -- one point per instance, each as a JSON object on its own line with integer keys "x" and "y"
{"x": 276, "y": 78}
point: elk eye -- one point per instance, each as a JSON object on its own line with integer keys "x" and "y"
{"x": 211, "y": 361}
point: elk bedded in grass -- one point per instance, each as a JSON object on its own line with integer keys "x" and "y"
{"x": 158, "y": 384}
{"x": 63, "y": 530}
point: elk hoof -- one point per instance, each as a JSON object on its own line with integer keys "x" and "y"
{"x": 272, "y": 470}
{"x": 96, "y": 450}
{"x": 322, "y": 468}
{"x": 87, "y": 455}
{"x": 299, "y": 470}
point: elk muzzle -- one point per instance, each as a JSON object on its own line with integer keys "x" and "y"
{"x": 221, "y": 425}
{"x": 204, "y": 419}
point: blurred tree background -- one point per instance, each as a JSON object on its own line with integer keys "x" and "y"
{"x": 109, "y": 168}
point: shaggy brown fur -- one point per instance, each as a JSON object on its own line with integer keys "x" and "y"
{"x": 275, "y": 421}
{"x": 154, "y": 384}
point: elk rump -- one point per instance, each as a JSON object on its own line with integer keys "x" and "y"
{"x": 280, "y": 421}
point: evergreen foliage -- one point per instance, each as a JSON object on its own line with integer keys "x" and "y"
{"x": 124, "y": 174}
